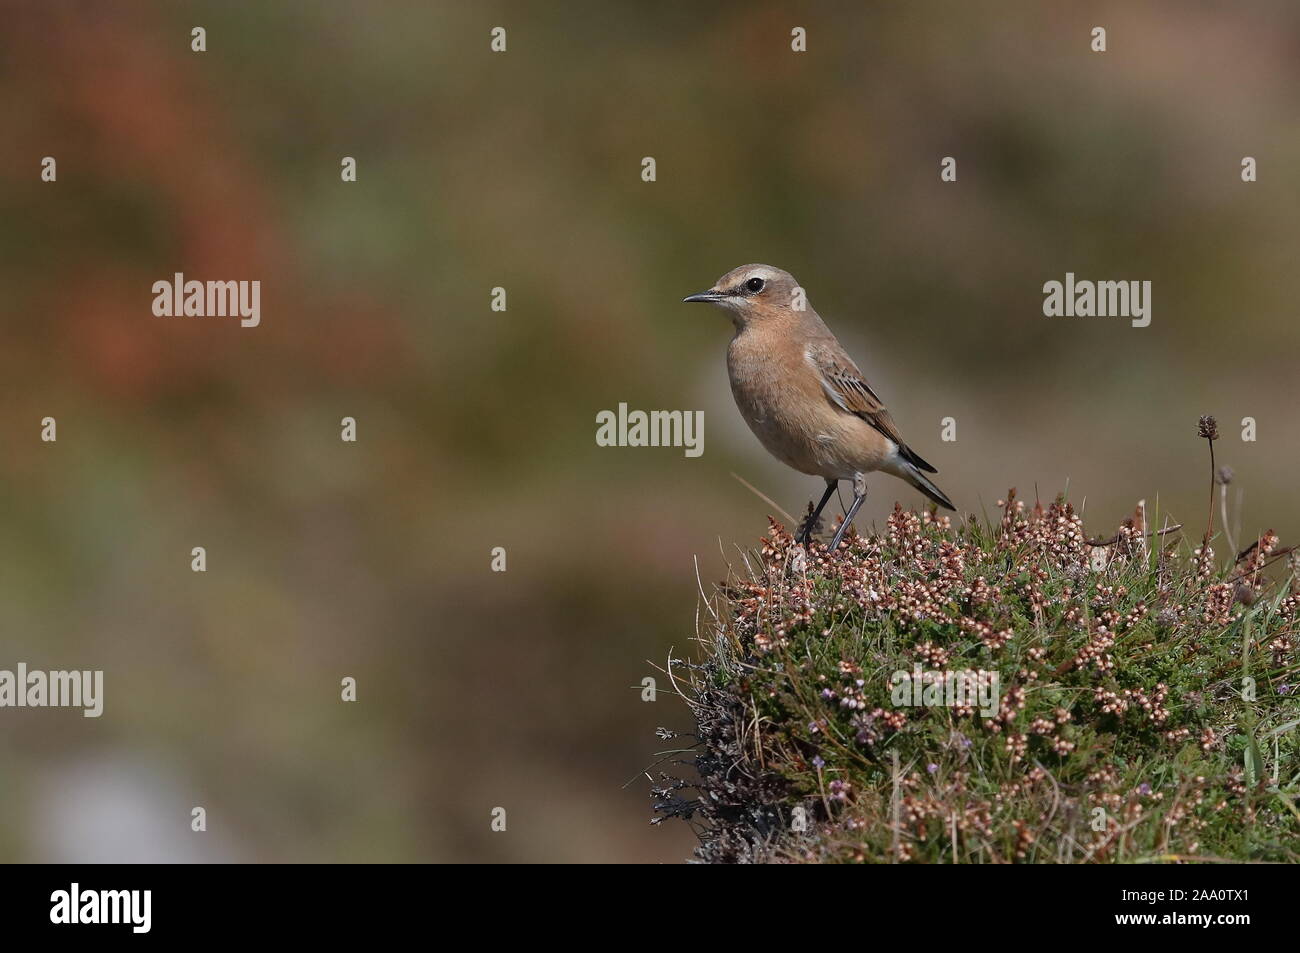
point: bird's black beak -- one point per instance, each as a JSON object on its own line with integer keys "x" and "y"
{"x": 705, "y": 296}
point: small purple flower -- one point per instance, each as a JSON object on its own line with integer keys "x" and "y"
{"x": 932, "y": 768}
{"x": 1144, "y": 789}
{"x": 818, "y": 763}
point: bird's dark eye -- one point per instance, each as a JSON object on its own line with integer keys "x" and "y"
{"x": 755, "y": 285}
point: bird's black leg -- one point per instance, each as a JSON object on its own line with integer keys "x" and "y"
{"x": 805, "y": 534}
{"x": 859, "y": 496}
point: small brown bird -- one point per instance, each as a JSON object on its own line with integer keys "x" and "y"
{"x": 803, "y": 396}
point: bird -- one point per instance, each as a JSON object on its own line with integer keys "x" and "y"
{"x": 802, "y": 395}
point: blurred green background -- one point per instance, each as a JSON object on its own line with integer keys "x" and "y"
{"x": 476, "y": 428}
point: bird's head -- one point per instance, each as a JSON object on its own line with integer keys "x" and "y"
{"x": 755, "y": 293}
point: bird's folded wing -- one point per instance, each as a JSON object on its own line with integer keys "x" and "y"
{"x": 848, "y": 390}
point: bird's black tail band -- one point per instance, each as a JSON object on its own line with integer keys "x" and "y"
{"x": 924, "y": 484}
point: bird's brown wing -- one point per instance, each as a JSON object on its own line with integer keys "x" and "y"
{"x": 847, "y": 389}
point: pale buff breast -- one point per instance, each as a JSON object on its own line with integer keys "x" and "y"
{"x": 781, "y": 398}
